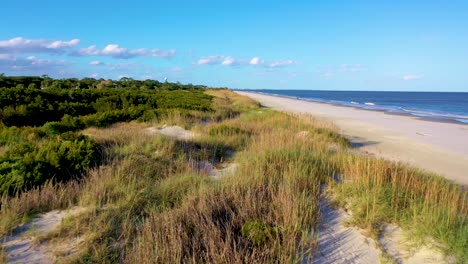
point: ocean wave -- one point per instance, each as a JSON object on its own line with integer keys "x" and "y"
{"x": 462, "y": 120}
{"x": 435, "y": 114}
{"x": 429, "y": 111}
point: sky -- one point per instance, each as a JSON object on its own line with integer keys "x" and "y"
{"x": 318, "y": 45}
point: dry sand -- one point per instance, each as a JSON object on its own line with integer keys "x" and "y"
{"x": 21, "y": 246}
{"x": 339, "y": 243}
{"x": 398, "y": 246}
{"x": 172, "y": 131}
{"x": 434, "y": 146}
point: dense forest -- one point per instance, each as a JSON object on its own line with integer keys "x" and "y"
{"x": 39, "y": 117}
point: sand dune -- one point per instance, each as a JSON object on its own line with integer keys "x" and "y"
{"x": 435, "y": 146}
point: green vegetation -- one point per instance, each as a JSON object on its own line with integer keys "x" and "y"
{"x": 26, "y": 165}
{"x": 152, "y": 202}
{"x": 36, "y": 125}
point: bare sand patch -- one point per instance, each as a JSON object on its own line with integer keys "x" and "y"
{"x": 400, "y": 248}
{"x": 21, "y": 246}
{"x": 176, "y": 132}
{"x": 338, "y": 243}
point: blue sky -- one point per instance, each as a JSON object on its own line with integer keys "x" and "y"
{"x": 326, "y": 45}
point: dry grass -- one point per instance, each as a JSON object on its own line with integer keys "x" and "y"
{"x": 379, "y": 191}
{"x": 151, "y": 203}
{"x": 19, "y": 209}
{"x": 265, "y": 213}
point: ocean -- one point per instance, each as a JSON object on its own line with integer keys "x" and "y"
{"x": 443, "y": 106}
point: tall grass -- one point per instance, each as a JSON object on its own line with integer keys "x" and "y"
{"x": 19, "y": 209}
{"x": 264, "y": 213}
{"x": 151, "y": 203}
{"x": 426, "y": 205}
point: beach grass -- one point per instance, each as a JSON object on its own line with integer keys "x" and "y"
{"x": 151, "y": 201}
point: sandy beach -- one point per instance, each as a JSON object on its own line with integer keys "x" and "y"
{"x": 434, "y": 146}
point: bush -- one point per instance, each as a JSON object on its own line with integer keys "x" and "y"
{"x": 36, "y": 124}
{"x": 259, "y": 233}
{"x": 32, "y": 107}
{"x": 27, "y": 165}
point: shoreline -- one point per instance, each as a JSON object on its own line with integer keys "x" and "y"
{"x": 426, "y": 118}
{"x": 439, "y": 147}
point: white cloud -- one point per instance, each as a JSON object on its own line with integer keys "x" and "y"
{"x": 255, "y": 61}
{"x": 96, "y": 63}
{"x": 411, "y": 77}
{"x": 229, "y": 61}
{"x": 33, "y": 60}
{"x": 210, "y": 60}
{"x": 89, "y": 51}
{"x": 162, "y": 53}
{"x": 31, "y": 65}
{"x": 21, "y": 45}
{"x": 59, "y": 44}
{"x": 281, "y": 63}
{"x": 115, "y": 51}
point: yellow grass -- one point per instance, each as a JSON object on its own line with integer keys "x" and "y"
{"x": 151, "y": 202}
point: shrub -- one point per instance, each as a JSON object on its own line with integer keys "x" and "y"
{"x": 27, "y": 165}
{"x": 259, "y": 233}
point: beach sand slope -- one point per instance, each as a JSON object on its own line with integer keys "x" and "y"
{"x": 434, "y": 146}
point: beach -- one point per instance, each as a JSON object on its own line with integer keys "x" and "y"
{"x": 438, "y": 147}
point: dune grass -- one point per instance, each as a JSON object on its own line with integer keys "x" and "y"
{"x": 151, "y": 203}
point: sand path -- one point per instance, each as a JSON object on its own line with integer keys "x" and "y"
{"x": 21, "y": 246}
{"x": 435, "y": 146}
{"x": 338, "y": 243}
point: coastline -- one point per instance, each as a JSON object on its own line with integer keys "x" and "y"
{"x": 439, "y": 147}
{"x": 408, "y": 114}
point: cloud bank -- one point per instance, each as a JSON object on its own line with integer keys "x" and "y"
{"x": 115, "y": 51}
{"x": 21, "y": 45}
{"x": 31, "y": 64}
{"x": 255, "y": 61}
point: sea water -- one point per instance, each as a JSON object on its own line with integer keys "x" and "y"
{"x": 448, "y": 106}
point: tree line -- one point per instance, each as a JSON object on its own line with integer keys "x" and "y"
{"x": 46, "y": 82}
{"x": 40, "y": 119}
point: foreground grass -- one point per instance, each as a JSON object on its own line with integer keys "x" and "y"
{"x": 151, "y": 202}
